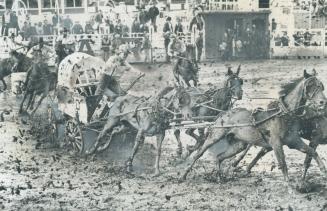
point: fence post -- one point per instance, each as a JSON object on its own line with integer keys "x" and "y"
{"x": 151, "y": 41}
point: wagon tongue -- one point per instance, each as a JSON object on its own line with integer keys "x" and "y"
{"x": 92, "y": 102}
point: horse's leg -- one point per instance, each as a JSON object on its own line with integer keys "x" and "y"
{"x": 30, "y": 101}
{"x": 191, "y": 133}
{"x": 38, "y": 104}
{"x": 160, "y": 138}
{"x": 139, "y": 140}
{"x": 233, "y": 149}
{"x": 279, "y": 153}
{"x": 116, "y": 130}
{"x": 240, "y": 158}
{"x": 4, "y": 84}
{"x": 308, "y": 159}
{"x": 301, "y": 146}
{"x": 177, "y": 134}
{"x": 22, "y": 103}
{"x": 213, "y": 138}
{"x": 107, "y": 127}
{"x": 262, "y": 153}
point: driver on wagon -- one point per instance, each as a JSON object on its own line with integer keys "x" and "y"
{"x": 115, "y": 67}
{"x": 176, "y": 48}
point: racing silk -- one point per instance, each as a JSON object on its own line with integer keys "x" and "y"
{"x": 176, "y": 48}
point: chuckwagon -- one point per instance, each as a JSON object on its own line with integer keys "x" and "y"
{"x": 81, "y": 114}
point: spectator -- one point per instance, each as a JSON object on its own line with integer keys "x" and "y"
{"x": 125, "y": 31}
{"x": 30, "y": 32}
{"x": 136, "y": 26}
{"x": 5, "y": 23}
{"x": 88, "y": 28}
{"x": 25, "y": 28}
{"x": 111, "y": 27}
{"x": 119, "y": 28}
{"x": 98, "y": 20}
{"x": 47, "y": 28}
{"x": 307, "y": 37}
{"x": 298, "y": 39}
{"x": 56, "y": 20}
{"x": 199, "y": 46}
{"x": 152, "y": 14}
{"x": 285, "y": 39}
{"x": 197, "y": 20}
{"x": 178, "y": 27}
{"x": 167, "y": 30}
{"x": 67, "y": 23}
{"x": 39, "y": 28}
{"x": 116, "y": 42}
{"x": 105, "y": 46}
{"x": 143, "y": 16}
{"x": 146, "y": 47}
{"x": 273, "y": 25}
{"x": 77, "y": 28}
{"x": 14, "y": 22}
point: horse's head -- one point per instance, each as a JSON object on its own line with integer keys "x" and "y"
{"x": 183, "y": 101}
{"x": 235, "y": 83}
{"x": 313, "y": 91}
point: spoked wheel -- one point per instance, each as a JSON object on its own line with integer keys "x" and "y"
{"x": 74, "y": 136}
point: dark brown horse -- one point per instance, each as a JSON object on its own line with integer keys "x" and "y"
{"x": 6, "y": 66}
{"x": 187, "y": 68}
{"x": 269, "y": 129}
{"x": 17, "y": 62}
{"x": 39, "y": 82}
{"x": 210, "y": 103}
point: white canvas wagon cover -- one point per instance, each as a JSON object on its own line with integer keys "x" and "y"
{"x": 81, "y": 66}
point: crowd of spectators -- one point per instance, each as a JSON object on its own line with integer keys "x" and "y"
{"x": 249, "y": 42}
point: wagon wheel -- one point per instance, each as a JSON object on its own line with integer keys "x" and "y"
{"x": 73, "y": 136}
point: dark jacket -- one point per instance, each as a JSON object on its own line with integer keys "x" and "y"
{"x": 47, "y": 29}
{"x": 178, "y": 28}
{"x": 77, "y": 29}
{"x": 197, "y": 22}
{"x": 153, "y": 12}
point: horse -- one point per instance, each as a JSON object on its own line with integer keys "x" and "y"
{"x": 16, "y": 62}
{"x": 39, "y": 81}
{"x": 187, "y": 67}
{"x": 210, "y": 103}
{"x": 313, "y": 129}
{"x": 273, "y": 128}
{"x": 148, "y": 116}
{"x": 6, "y": 66}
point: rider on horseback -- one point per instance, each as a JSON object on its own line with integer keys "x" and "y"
{"x": 114, "y": 69}
{"x": 177, "y": 49}
{"x": 39, "y": 52}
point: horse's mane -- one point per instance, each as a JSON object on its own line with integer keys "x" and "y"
{"x": 287, "y": 88}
